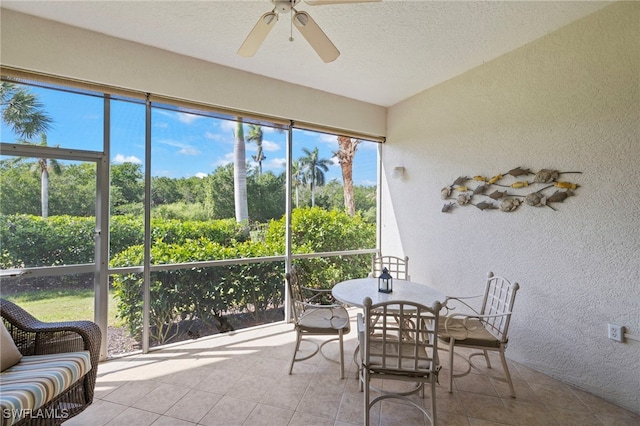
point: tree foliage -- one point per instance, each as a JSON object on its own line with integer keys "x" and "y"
{"x": 208, "y": 294}
{"x": 22, "y": 111}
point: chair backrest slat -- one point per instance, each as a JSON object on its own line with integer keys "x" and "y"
{"x": 400, "y": 337}
{"x": 499, "y": 297}
{"x": 398, "y": 267}
{"x": 295, "y": 291}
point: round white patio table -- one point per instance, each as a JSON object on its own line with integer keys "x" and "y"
{"x": 353, "y": 292}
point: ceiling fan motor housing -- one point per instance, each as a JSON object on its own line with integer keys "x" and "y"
{"x": 284, "y": 6}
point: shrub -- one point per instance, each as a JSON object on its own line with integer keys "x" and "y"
{"x": 29, "y": 240}
{"x": 206, "y": 294}
{"x": 315, "y": 230}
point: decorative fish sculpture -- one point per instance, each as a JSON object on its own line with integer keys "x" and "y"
{"x": 445, "y": 192}
{"x": 485, "y": 205}
{"x": 463, "y": 199}
{"x": 535, "y": 199}
{"x": 447, "y": 207}
{"x": 496, "y": 195}
{"x": 509, "y": 205}
{"x": 567, "y": 185}
{"x": 559, "y": 196}
{"x": 460, "y": 180}
{"x": 519, "y": 171}
{"x": 481, "y": 189}
{"x": 546, "y": 175}
{"x": 519, "y": 184}
{"x": 495, "y": 179}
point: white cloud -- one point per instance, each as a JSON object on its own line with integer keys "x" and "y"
{"x": 185, "y": 149}
{"x": 187, "y": 118}
{"x": 214, "y": 136}
{"x": 324, "y": 137}
{"x": 270, "y": 146}
{"x": 227, "y": 125}
{"x": 200, "y": 175}
{"x": 275, "y": 164}
{"x": 228, "y": 158}
{"x": 119, "y": 159}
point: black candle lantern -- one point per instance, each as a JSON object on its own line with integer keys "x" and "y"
{"x": 385, "y": 282}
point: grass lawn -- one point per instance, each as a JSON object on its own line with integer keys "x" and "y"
{"x": 63, "y": 305}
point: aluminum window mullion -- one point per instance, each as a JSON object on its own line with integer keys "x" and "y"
{"x": 24, "y": 150}
{"x": 288, "y": 209}
{"x": 101, "y": 277}
{"x": 146, "y": 286}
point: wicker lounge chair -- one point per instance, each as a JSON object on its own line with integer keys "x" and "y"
{"x": 74, "y": 340}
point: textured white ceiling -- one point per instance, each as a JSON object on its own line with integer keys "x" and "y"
{"x": 389, "y": 50}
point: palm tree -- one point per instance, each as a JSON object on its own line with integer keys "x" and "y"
{"x": 240, "y": 174}
{"x": 22, "y": 111}
{"x": 296, "y": 179}
{"x": 255, "y": 135}
{"x": 314, "y": 169}
{"x": 42, "y": 166}
{"x": 347, "y": 148}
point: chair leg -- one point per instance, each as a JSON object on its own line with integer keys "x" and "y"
{"x": 451, "y": 344}
{"x": 365, "y": 384}
{"x": 295, "y": 351}
{"x": 341, "y": 356}
{"x": 433, "y": 400}
{"x": 507, "y": 376}
{"x": 486, "y": 358}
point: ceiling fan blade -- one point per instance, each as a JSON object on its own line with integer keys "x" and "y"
{"x": 315, "y": 36}
{"x": 325, "y": 2}
{"x": 258, "y": 34}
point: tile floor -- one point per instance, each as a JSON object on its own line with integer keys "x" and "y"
{"x": 242, "y": 379}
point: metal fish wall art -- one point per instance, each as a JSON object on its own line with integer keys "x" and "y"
{"x": 484, "y": 192}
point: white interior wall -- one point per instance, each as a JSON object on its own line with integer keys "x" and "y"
{"x": 569, "y": 101}
{"x": 35, "y": 44}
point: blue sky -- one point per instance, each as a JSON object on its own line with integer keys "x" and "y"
{"x": 183, "y": 144}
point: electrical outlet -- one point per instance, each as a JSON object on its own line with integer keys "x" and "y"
{"x": 615, "y": 332}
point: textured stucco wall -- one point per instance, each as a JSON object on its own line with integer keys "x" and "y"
{"x": 569, "y": 101}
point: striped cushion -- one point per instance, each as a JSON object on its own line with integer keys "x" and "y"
{"x": 37, "y": 379}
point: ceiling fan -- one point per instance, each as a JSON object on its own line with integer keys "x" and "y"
{"x": 302, "y": 21}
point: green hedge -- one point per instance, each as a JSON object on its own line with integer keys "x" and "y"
{"x": 315, "y": 230}
{"x": 195, "y": 293}
{"x": 58, "y": 240}
{"x": 30, "y": 241}
{"x": 206, "y": 294}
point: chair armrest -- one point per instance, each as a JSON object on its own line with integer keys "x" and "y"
{"x": 31, "y": 335}
{"x": 462, "y": 300}
{"x": 34, "y": 337}
{"x": 462, "y": 334}
{"x": 319, "y": 306}
{"x": 320, "y": 297}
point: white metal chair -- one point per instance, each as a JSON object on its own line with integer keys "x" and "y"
{"x": 397, "y": 342}
{"x": 311, "y": 318}
{"x": 486, "y": 329}
{"x": 398, "y": 267}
